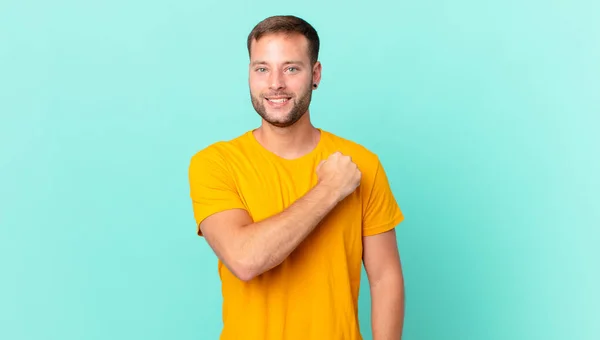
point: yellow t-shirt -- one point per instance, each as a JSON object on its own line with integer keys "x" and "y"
{"x": 313, "y": 294}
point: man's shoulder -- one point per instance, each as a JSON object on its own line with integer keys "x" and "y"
{"x": 358, "y": 151}
{"x": 221, "y": 149}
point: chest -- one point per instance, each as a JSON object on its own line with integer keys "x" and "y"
{"x": 269, "y": 188}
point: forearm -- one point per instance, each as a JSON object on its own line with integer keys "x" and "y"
{"x": 268, "y": 242}
{"x": 387, "y": 308}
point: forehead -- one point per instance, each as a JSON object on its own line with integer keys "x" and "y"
{"x": 278, "y": 46}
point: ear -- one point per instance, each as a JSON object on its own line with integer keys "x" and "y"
{"x": 316, "y": 73}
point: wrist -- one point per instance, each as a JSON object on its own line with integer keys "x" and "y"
{"x": 329, "y": 193}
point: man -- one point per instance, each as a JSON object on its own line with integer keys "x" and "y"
{"x": 292, "y": 211}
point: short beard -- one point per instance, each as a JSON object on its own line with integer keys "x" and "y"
{"x": 299, "y": 108}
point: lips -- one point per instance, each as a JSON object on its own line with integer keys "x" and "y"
{"x": 278, "y": 100}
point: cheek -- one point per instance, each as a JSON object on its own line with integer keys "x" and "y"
{"x": 255, "y": 87}
{"x": 300, "y": 85}
{"x": 257, "y": 83}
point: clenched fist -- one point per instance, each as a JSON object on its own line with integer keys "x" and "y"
{"x": 340, "y": 174}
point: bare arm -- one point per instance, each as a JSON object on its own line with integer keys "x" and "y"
{"x": 249, "y": 249}
{"x": 382, "y": 264}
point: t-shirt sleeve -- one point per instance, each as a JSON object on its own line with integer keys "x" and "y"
{"x": 212, "y": 188}
{"x": 381, "y": 212}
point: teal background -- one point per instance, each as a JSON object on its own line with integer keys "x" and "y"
{"x": 484, "y": 113}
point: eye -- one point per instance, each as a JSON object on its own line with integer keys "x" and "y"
{"x": 292, "y": 69}
{"x": 261, "y": 69}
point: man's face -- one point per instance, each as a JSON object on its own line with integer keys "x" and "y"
{"x": 281, "y": 78}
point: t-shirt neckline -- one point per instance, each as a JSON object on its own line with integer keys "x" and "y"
{"x": 308, "y": 155}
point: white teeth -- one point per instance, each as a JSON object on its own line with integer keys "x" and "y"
{"x": 278, "y": 100}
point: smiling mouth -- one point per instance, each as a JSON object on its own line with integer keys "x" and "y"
{"x": 278, "y": 100}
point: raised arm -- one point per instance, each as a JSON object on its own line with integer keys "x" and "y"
{"x": 249, "y": 249}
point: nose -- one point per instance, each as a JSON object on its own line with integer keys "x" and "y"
{"x": 276, "y": 81}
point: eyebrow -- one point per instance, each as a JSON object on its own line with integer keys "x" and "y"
{"x": 262, "y": 62}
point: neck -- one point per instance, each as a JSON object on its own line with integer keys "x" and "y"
{"x": 289, "y": 142}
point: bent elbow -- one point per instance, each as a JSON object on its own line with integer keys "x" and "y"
{"x": 243, "y": 269}
{"x": 245, "y": 276}
{"x": 243, "y": 273}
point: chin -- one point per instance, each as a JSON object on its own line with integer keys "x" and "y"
{"x": 280, "y": 122}
{"x": 277, "y": 116}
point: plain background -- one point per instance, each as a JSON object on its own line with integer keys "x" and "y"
{"x": 484, "y": 113}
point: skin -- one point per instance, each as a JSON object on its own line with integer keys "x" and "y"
{"x": 280, "y": 67}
